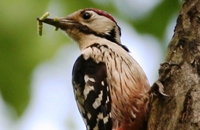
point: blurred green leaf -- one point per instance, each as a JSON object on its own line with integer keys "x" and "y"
{"x": 20, "y": 50}
{"x": 156, "y": 22}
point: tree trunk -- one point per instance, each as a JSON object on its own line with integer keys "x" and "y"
{"x": 180, "y": 76}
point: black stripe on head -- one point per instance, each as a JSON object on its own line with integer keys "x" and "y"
{"x": 110, "y": 36}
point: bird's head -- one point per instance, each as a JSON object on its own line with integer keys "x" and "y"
{"x": 86, "y": 24}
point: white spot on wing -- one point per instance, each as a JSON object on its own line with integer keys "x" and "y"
{"x": 100, "y": 116}
{"x": 87, "y": 90}
{"x": 102, "y": 83}
{"x": 107, "y": 100}
{"x": 98, "y": 100}
{"x": 96, "y": 128}
{"x": 87, "y": 78}
{"x": 107, "y": 88}
{"x": 89, "y": 115}
{"x": 105, "y": 119}
{"x": 88, "y": 127}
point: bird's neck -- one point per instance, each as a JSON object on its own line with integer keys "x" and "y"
{"x": 88, "y": 40}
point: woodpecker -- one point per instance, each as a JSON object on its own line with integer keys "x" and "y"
{"x": 110, "y": 87}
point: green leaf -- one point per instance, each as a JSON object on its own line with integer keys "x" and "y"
{"x": 156, "y": 22}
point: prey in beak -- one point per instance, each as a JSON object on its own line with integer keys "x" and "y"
{"x": 62, "y": 23}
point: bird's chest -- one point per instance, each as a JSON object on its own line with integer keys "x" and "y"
{"x": 118, "y": 72}
{"x": 121, "y": 79}
{"x": 118, "y": 69}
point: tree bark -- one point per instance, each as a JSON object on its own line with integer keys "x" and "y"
{"x": 180, "y": 76}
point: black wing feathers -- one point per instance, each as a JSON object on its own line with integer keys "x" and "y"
{"x": 90, "y": 78}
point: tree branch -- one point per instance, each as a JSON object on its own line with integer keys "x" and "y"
{"x": 181, "y": 70}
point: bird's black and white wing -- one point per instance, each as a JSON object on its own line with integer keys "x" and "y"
{"x": 92, "y": 93}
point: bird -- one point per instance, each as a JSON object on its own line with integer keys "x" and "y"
{"x": 110, "y": 87}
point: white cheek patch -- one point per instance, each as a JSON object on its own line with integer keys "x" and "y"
{"x": 99, "y": 24}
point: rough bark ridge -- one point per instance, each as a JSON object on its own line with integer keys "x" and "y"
{"x": 180, "y": 76}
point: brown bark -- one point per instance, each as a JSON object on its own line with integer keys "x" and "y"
{"x": 180, "y": 76}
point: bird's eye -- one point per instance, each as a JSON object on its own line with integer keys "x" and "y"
{"x": 87, "y": 15}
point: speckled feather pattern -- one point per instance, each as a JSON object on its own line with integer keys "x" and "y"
{"x": 128, "y": 86}
{"x": 110, "y": 87}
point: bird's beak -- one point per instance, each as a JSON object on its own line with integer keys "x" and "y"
{"x": 62, "y": 23}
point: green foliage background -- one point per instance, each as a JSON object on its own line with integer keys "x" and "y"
{"x": 22, "y": 49}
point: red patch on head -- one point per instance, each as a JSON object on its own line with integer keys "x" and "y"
{"x": 103, "y": 13}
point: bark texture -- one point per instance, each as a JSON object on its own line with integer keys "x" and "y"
{"x": 180, "y": 76}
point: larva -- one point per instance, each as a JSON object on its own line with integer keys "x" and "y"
{"x": 39, "y": 22}
{"x": 44, "y": 16}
